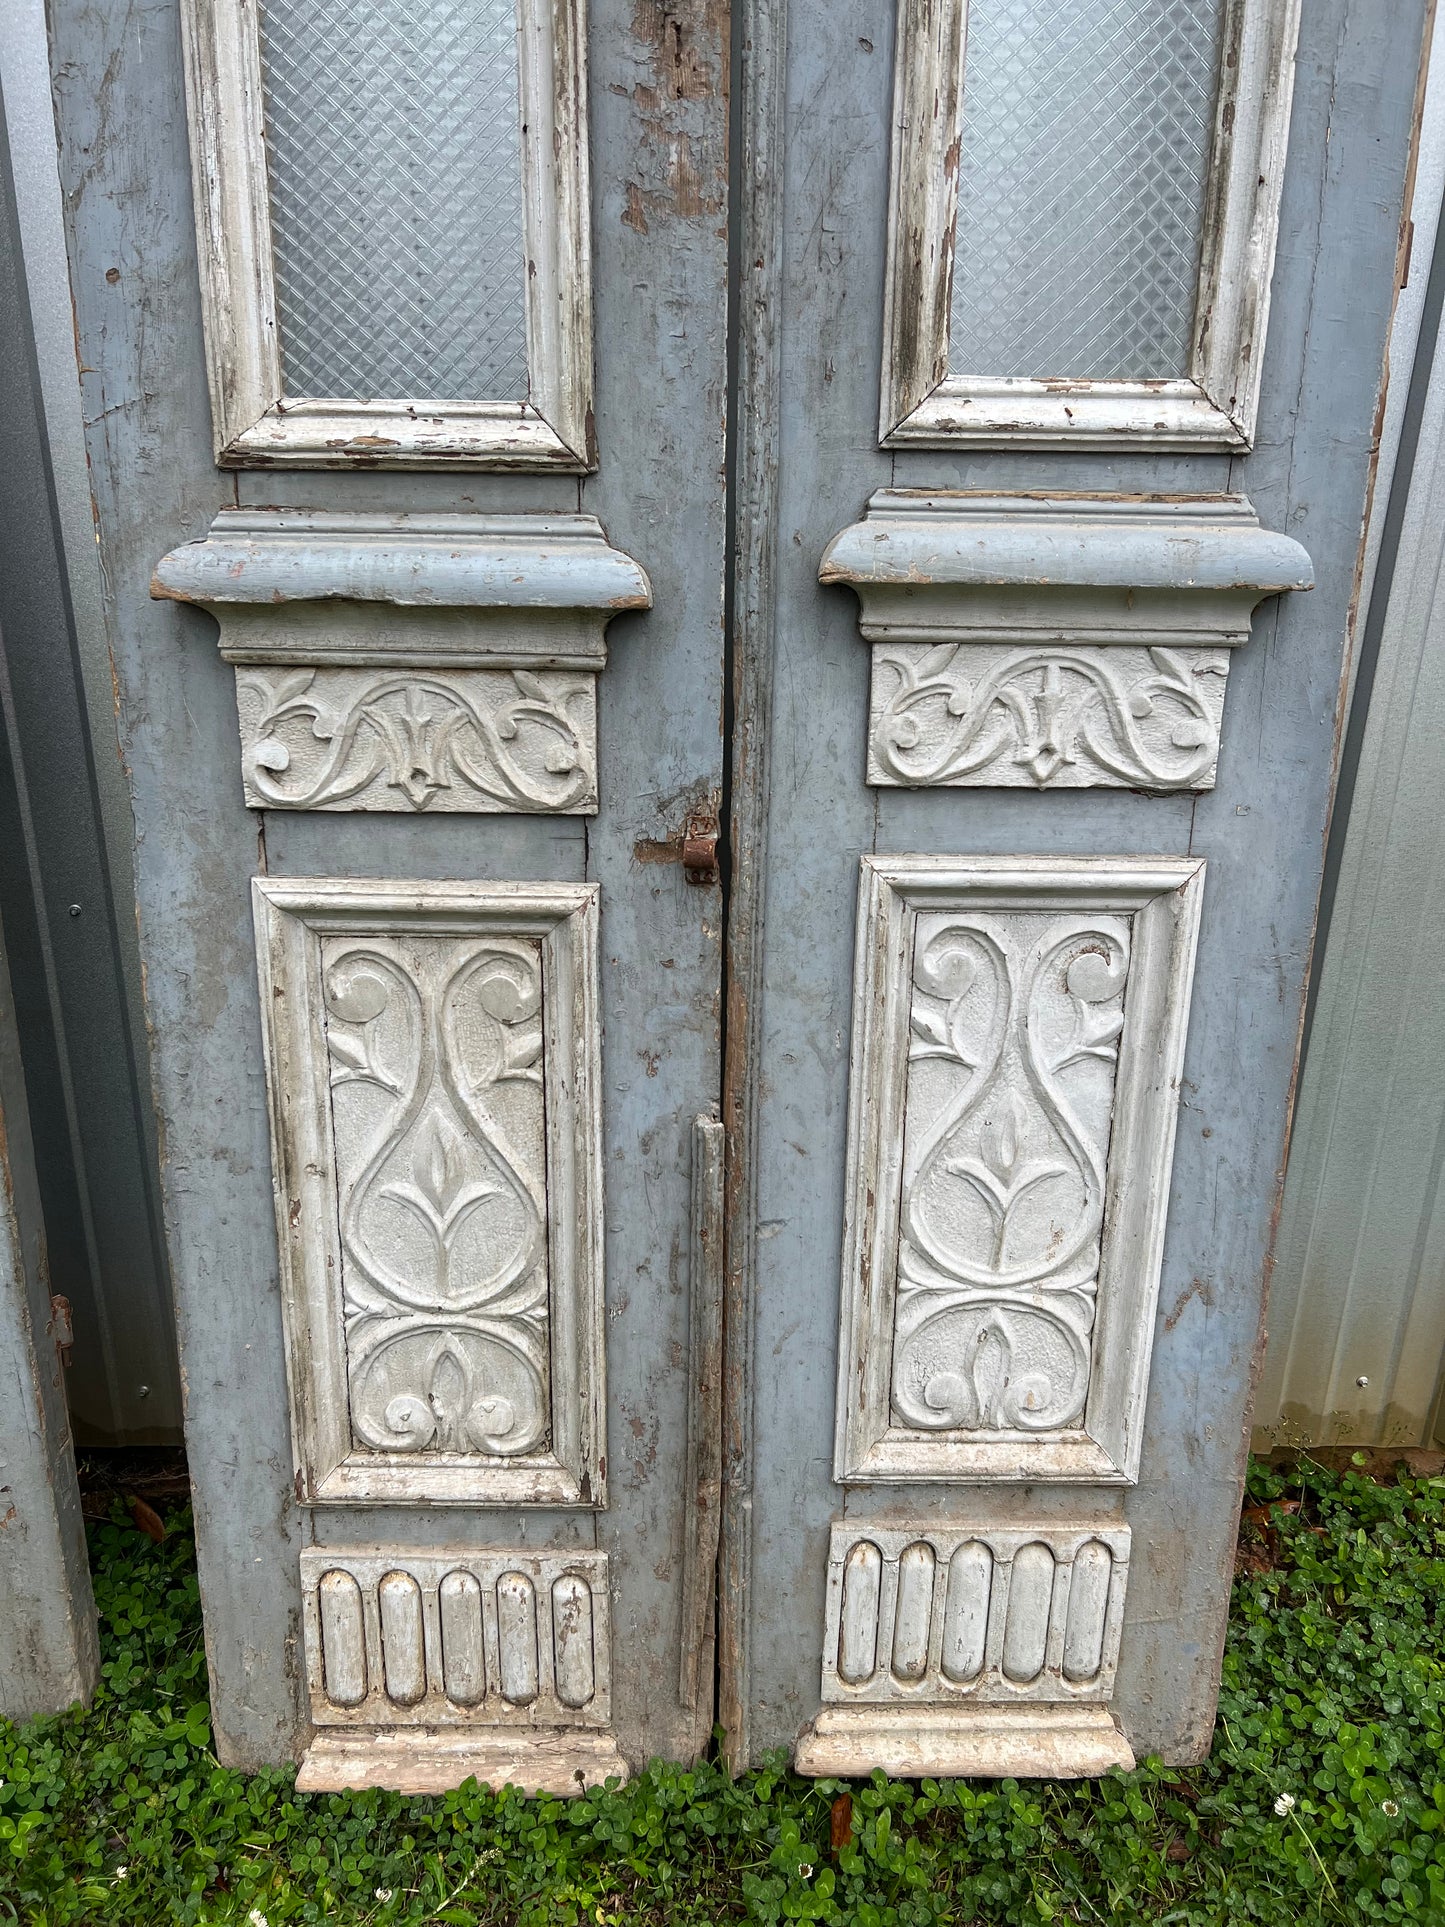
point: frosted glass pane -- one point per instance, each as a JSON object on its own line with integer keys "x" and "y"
{"x": 393, "y": 131}
{"x": 1087, "y": 129}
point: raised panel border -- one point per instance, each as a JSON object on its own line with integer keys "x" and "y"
{"x": 291, "y": 915}
{"x": 255, "y": 423}
{"x": 923, "y": 405}
{"x": 1164, "y": 896}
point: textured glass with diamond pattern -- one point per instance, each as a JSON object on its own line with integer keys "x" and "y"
{"x": 393, "y": 138}
{"x": 1087, "y": 129}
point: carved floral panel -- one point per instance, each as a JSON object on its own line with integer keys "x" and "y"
{"x": 1019, "y": 1025}
{"x": 432, "y": 1061}
{"x": 997, "y": 715}
{"x": 1012, "y": 1052}
{"x": 418, "y": 739}
{"x": 437, "y": 1121}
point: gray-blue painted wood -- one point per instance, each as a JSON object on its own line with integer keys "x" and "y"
{"x": 655, "y": 85}
{"x": 1357, "y": 1313}
{"x": 1260, "y": 830}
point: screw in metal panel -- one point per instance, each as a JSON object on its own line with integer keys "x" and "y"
{"x": 1362, "y": 1381}
{"x": 75, "y": 909}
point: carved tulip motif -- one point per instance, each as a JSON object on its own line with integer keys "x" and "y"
{"x": 439, "y": 1128}
{"x": 1015, "y": 1025}
{"x": 979, "y": 713}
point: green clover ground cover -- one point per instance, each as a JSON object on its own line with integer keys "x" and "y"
{"x": 1323, "y": 1800}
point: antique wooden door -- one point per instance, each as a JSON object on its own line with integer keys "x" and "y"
{"x": 403, "y": 334}
{"x": 1062, "y": 328}
{"x": 514, "y": 465}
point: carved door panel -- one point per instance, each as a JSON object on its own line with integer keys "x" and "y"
{"x": 1062, "y": 331}
{"x": 403, "y": 336}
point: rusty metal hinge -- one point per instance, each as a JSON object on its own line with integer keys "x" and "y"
{"x": 61, "y": 1328}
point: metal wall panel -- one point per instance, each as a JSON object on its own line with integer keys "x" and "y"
{"x": 66, "y": 881}
{"x": 1357, "y": 1302}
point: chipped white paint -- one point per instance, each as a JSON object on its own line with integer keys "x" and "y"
{"x": 962, "y": 1614}
{"x": 923, "y": 405}
{"x": 254, "y": 421}
{"x": 1034, "y": 1743}
{"x": 1018, "y": 1032}
{"x": 464, "y": 1652}
{"x": 954, "y": 1648}
{"x": 412, "y": 662}
{"x": 432, "y": 1061}
{"x": 1073, "y": 642}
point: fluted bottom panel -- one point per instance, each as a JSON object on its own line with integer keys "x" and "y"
{"x": 992, "y": 1742}
{"x": 417, "y": 1760}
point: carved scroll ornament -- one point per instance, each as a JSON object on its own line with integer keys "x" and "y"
{"x": 1018, "y": 1033}
{"x": 1027, "y": 642}
{"x": 412, "y": 663}
{"x": 432, "y": 1059}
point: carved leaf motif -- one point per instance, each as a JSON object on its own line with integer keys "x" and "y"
{"x": 1002, "y": 1136}
{"x": 477, "y": 739}
{"x": 347, "y": 1050}
{"x": 437, "y": 1165}
{"x": 927, "y": 1023}
{"x": 441, "y": 1177}
{"x": 981, "y": 713}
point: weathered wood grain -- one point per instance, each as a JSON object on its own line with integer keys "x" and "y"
{"x": 657, "y": 96}
{"x": 1260, "y": 831}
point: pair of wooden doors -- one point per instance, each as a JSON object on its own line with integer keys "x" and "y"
{"x": 690, "y": 847}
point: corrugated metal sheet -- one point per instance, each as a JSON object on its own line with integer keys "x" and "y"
{"x": 1357, "y": 1308}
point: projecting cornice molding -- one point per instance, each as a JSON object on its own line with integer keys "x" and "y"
{"x": 1054, "y": 641}
{"x": 412, "y": 662}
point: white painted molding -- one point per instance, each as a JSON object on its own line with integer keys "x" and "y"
{"x": 432, "y": 1062}
{"x": 1054, "y": 642}
{"x": 426, "y": 1667}
{"x": 255, "y": 423}
{"x": 986, "y": 1742}
{"x": 984, "y": 1650}
{"x": 969, "y": 1615}
{"x": 925, "y": 405}
{"x": 1018, "y": 1037}
{"x": 411, "y": 662}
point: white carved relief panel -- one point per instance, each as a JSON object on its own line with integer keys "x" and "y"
{"x": 998, "y": 716}
{"x": 971, "y": 1649}
{"x": 432, "y": 1063}
{"x": 495, "y": 1638}
{"x": 969, "y": 1614}
{"x": 1018, "y": 1033}
{"x": 418, "y": 739}
{"x": 1013, "y": 1048}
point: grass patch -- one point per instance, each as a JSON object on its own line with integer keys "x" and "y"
{"x": 1323, "y": 1800}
